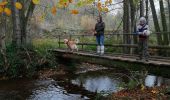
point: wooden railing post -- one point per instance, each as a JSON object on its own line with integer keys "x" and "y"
{"x": 59, "y": 41}
{"x": 70, "y": 37}
{"x": 83, "y": 42}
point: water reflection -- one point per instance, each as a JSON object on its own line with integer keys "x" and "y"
{"x": 152, "y": 81}
{"x": 110, "y": 82}
{"x": 98, "y": 84}
{"x": 53, "y": 93}
{"x": 50, "y": 89}
{"x": 35, "y": 90}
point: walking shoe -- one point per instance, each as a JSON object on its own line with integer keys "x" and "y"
{"x": 102, "y": 50}
{"x": 98, "y": 50}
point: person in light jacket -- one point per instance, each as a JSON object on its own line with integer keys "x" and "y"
{"x": 143, "y": 33}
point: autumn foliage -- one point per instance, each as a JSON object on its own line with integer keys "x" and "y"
{"x": 148, "y": 93}
{"x": 101, "y": 6}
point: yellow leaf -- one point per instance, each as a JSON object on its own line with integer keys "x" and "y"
{"x": 110, "y": 1}
{"x": 18, "y": 5}
{"x": 60, "y": 6}
{"x": 63, "y": 3}
{"x": 1, "y": 9}
{"x": 142, "y": 87}
{"x": 7, "y": 11}
{"x": 154, "y": 91}
{"x": 36, "y": 2}
{"x": 74, "y": 11}
{"x": 54, "y": 10}
{"x": 106, "y": 9}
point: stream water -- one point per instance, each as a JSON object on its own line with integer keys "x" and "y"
{"x": 79, "y": 87}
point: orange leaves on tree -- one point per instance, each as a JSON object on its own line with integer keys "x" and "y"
{"x": 110, "y": 1}
{"x": 7, "y": 11}
{"x": 63, "y": 3}
{"x": 1, "y": 10}
{"x": 99, "y": 4}
{"x": 3, "y": 3}
{"x": 74, "y": 12}
{"x": 101, "y": 7}
{"x": 18, "y": 5}
{"x": 36, "y": 2}
{"x": 54, "y": 10}
{"x": 70, "y": 1}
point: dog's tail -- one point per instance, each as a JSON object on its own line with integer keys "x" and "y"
{"x": 76, "y": 41}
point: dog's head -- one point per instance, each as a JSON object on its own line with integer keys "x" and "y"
{"x": 65, "y": 41}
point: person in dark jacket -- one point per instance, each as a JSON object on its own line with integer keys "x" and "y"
{"x": 143, "y": 33}
{"x": 99, "y": 29}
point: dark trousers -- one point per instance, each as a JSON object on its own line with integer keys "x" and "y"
{"x": 143, "y": 49}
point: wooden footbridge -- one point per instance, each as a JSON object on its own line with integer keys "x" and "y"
{"x": 118, "y": 53}
{"x": 153, "y": 61}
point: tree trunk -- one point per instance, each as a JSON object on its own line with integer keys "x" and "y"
{"x": 16, "y": 40}
{"x": 2, "y": 40}
{"x": 141, "y": 8}
{"x": 133, "y": 22}
{"x": 164, "y": 24}
{"x": 24, "y": 20}
{"x": 169, "y": 16}
{"x": 126, "y": 28}
{"x": 132, "y": 13}
{"x": 2, "y": 31}
{"x": 156, "y": 24}
{"x": 147, "y": 10}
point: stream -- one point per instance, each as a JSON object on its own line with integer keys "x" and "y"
{"x": 82, "y": 86}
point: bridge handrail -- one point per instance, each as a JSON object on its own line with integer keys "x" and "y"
{"x": 108, "y": 34}
{"x": 125, "y": 45}
{"x": 122, "y": 44}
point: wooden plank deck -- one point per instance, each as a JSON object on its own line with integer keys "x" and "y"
{"x": 130, "y": 59}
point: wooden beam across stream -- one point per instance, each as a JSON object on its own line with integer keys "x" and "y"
{"x": 157, "y": 66}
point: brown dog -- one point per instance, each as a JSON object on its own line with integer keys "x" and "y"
{"x": 71, "y": 44}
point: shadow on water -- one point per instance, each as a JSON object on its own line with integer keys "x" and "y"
{"x": 72, "y": 87}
